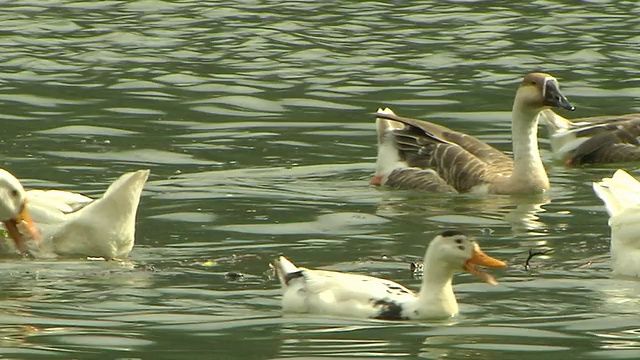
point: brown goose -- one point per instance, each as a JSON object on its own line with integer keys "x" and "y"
{"x": 601, "y": 139}
{"x": 415, "y": 154}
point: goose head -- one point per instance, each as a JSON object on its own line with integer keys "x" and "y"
{"x": 13, "y": 209}
{"x": 540, "y": 91}
{"x": 461, "y": 252}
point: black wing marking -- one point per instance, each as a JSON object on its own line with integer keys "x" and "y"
{"x": 389, "y": 310}
{"x": 292, "y": 275}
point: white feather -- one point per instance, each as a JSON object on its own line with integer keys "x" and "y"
{"x": 74, "y": 224}
{"x": 388, "y": 158}
{"x": 353, "y": 295}
{"x": 621, "y": 196}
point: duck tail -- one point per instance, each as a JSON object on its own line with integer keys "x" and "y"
{"x": 131, "y": 182}
{"x": 286, "y": 270}
{"x": 619, "y": 192}
{"x": 120, "y": 202}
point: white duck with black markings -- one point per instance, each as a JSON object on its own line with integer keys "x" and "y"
{"x": 352, "y": 295}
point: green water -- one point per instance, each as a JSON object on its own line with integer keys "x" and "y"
{"x": 255, "y": 120}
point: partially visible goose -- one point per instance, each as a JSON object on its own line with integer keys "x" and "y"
{"x": 343, "y": 294}
{"x": 414, "y": 154}
{"x": 592, "y": 140}
{"x": 64, "y": 223}
{"x": 621, "y": 196}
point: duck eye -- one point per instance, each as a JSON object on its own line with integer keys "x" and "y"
{"x": 534, "y": 83}
{"x": 458, "y": 241}
{"x": 14, "y": 193}
{"x": 461, "y": 247}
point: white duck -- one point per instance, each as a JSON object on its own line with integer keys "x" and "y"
{"x": 343, "y": 294}
{"x": 415, "y": 154}
{"x": 593, "y": 140}
{"x": 63, "y": 223}
{"x": 621, "y": 196}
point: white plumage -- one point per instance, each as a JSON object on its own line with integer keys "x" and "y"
{"x": 621, "y": 196}
{"x": 343, "y": 294}
{"x": 70, "y": 223}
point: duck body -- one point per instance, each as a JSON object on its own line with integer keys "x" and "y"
{"x": 72, "y": 224}
{"x": 621, "y": 196}
{"x": 353, "y": 295}
{"x": 594, "y": 140}
{"x": 324, "y": 293}
{"x": 415, "y": 154}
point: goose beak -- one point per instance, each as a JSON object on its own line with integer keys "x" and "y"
{"x": 29, "y": 226}
{"x": 553, "y": 97}
{"x": 482, "y": 259}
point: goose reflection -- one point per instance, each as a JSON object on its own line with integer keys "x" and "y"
{"x": 521, "y": 214}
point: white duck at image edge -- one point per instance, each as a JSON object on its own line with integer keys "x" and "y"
{"x": 621, "y": 196}
{"x": 49, "y": 223}
{"x": 416, "y": 154}
{"x": 343, "y": 294}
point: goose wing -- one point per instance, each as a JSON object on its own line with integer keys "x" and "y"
{"x": 617, "y": 145}
{"x": 460, "y": 160}
{"x": 600, "y": 139}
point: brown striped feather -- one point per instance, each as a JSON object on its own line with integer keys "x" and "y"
{"x": 459, "y": 159}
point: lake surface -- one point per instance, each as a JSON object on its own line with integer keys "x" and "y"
{"x": 255, "y": 120}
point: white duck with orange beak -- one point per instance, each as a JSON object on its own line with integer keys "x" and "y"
{"x": 13, "y": 210}
{"x": 343, "y": 294}
{"x": 51, "y": 223}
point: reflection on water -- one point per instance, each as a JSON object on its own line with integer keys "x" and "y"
{"x": 255, "y": 119}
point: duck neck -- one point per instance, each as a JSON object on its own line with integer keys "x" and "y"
{"x": 528, "y": 170}
{"x": 436, "y": 297}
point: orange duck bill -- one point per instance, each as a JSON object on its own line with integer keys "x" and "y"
{"x": 482, "y": 259}
{"x": 28, "y": 225}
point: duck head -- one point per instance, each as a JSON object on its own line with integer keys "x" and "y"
{"x": 14, "y": 211}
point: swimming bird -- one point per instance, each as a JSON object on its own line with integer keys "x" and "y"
{"x": 593, "y": 140}
{"x": 415, "y": 154}
{"x": 63, "y": 223}
{"x": 621, "y": 196}
{"x": 345, "y": 294}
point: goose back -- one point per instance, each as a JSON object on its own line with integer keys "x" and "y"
{"x": 601, "y": 139}
{"x": 442, "y": 159}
